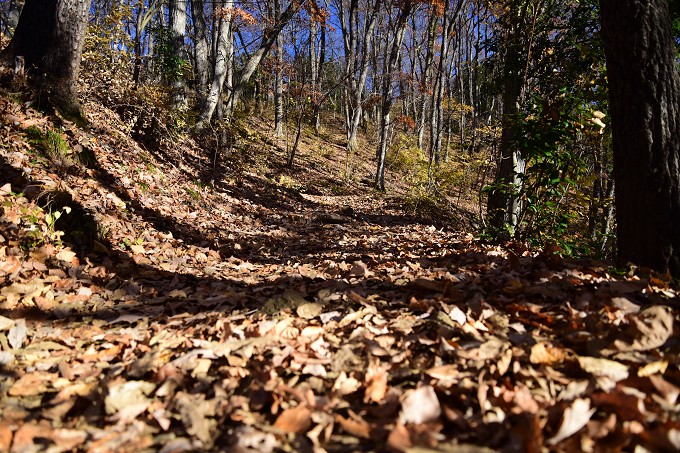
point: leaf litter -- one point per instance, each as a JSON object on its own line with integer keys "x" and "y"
{"x": 244, "y": 320}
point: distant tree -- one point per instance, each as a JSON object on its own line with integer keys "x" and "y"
{"x": 278, "y": 77}
{"x": 404, "y": 10}
{"x": 645, "y": 108}
{"x": 178, "y": 24}
{"x": 9, "y": 16}
{"x": 50, "y": 36}
{"x": 519, "y": 18}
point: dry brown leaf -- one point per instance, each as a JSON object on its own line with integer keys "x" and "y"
{"x": 24, "y": 437}
{"x": 345, "y": 385}
{"x": 17, "y": 334}
{"x": 5, "y": 436}
{"x": 546, "y": 354}
{"x": 524, "y": 400}
{"x": 127, "y": 394}
{"x": 668, "y": 391}
{"x": 648, "y": 330}
{"x": 575, "y": 417}
{"x": 458, "y": 316}
{"x": 197, "y": 413}
{"x": 31, "y": 384}
{"x": 376, "y": 382}
{"x": 68, "y": 439}
{"x": 359, "y": 270}
{"x": 604, "y": 368}
{"x": 312, "y": 332}
{"x": 295, "y": 420}
{"x": 400, "y": 438}
{"x": 5, "y": 323}
{"x": 309, "y": 310}
{"x": 420, "y": 406}
{"x": 66, "y": 256}
{"x": 444, "y": 372}
{"x": 358, "y": 428}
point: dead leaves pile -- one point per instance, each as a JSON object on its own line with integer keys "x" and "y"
{"x": 313, "y": 337}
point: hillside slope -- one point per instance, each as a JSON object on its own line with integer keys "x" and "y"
{"x": 191, "y": 306}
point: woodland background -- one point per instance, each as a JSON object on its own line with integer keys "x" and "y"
{"x": 349, "y": 225}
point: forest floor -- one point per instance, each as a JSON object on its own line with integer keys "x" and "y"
{"x": 284, "y": 310}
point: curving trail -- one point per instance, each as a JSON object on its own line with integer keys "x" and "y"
{"x": 249, "y": 314}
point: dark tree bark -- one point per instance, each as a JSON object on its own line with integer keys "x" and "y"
{"x": 645, "y": 108}
{"x": 13, "y": 14}
{"x": 201, "y": 50}
{"x": 503, "y": 205}
{"x": 50, "y": 36}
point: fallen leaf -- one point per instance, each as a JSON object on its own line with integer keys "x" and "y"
{"x": 68, "y": 439}
{"x": 444, "y": 372}
{"x": 17, "y": 334}
{"x": 376, "y": 383}
{"x": 5, "y": 323}
{"x": 127, "y": 394}
{"x": 345, "y": 385}
{"x": 420, "y": 406}
{"x": 5, "y": 437}
{"x": 400, "y": 438}
{"x": 309, "y": 310}
{"x": 575, "y": 417}
{"x": 604, "y": 368}
{"x": 546, "y": 354}
{"x": 358, "y": 428}
{"x": 359, "y": 270}
{"x": 30, "y": 384}
{"x": 648, "y": 330}
{"x": 66, "y": 256}
{"x": 197, "y": 415}
{"x": 458, "y": 316}
{"x": 295, "y": 420}
{"x": 653, "y": 368}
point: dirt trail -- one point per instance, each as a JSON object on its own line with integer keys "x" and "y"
{"x": 248, "y": 315}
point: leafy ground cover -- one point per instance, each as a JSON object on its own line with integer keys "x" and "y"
{"x": 145, "y": 308}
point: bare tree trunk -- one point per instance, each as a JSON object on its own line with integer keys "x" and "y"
{"x": 223, "y": 36}
{"x": 15, "y": 7}
{"x": 144, "y": 17}
{"x": 278, "y": 78}
{"x": 503, "y": 204}
{"x": 268, "y": 39}
{"x": 388, "y": 90}
{"x": 50, "y": 37}
{"x": 440, "y": 84}
{"x": 426, "y": 81}
{"x": 356, "y": 69}
{"x": 317, "y": 30}
{"x": 201, "y": 54}
{"x": 178, "y": 24}
{"x": 645, "y": 105}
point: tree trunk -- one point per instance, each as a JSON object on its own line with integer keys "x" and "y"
{"x": 356, "y": 70}
{"x": 201, "y": 54}
{"x": 503, "y": 204}
{"x": 278, "y": 78}
{"x": 268, "y": 39}
{"x": 50, "y": 36}
{"x": 387, "y": 91}
{"x": 178, "y": 23}
{"x": 645, "y": 108}
{"x": 426, "y": 81}
{"x": 222, "y": 40}
{"x": 13, "y": 14}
